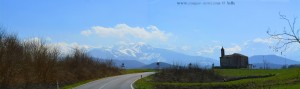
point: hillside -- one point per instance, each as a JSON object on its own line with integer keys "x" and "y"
{"x": 273, "y": 61}
{"x": 154, "y": 66}
{"x": 129, "y": 64}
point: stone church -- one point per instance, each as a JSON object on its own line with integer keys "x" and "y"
{"x": 235, "y": 60}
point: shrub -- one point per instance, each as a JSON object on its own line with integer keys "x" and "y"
{"x": 192, "y": 73}
{"x": 35, "y": 65}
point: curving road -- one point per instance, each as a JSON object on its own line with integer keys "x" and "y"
{"x": 116, "y": 82}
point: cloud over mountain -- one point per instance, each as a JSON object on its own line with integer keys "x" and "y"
{"x": 147, "y": 54}
{"x": 123, "y": 31}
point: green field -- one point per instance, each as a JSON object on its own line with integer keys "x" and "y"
{"x": 130, "y": 71}
{"x": 282, "y": 79}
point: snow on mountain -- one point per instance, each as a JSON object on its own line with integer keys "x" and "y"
{"x": 147, "y": 54}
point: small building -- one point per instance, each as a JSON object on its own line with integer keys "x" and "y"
{"x": 235, "y": 60}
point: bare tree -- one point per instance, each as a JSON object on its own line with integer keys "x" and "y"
{"x": 288, "y": 36}
{"x": 36, "y": 65}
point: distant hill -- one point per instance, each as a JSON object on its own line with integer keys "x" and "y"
{"x": 270, "y": 65}
{"x": 273, "y": 61}
{"x": 129, "y": 64}
{"x": 154, "y": 66}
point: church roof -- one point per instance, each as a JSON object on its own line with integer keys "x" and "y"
{"x": 236, "y": 54}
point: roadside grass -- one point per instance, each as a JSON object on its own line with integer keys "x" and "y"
{"x": 144, "y": 83}
{"x": 283, "y": 79}
{"x": 127, "y": 71}
{"x": 76, "y": 84}
{"x": 245, "y": 72}
{"x": 130, "y": 71}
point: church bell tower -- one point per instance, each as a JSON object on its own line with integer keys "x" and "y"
{"x": 222, "y": 52}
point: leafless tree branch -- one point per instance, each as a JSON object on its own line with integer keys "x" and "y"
{"x": 285, "y": 38}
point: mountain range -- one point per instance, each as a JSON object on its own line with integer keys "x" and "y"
{"x": 147, "y": 54}
{"x": 154, "y": 65}
{"x": 273, "y": 61}
{"x": 140, "y": 55}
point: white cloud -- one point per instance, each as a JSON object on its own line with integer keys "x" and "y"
{"x": 86, "y": 32}
{"x": 209, "y": 50}
{"x": 35, "y": 39}
{"x": 234, "y": 49}
{"x": 66, "y": 48}
{"x": 263, "y": 40}
{"x": 185, "y": 48}
{"x": 38, "y": 39}
{"x": 48, "y": 39}
{"x": 272, "y": 43}
{"x": 124, "y": 31}
{"x": 62, "y": 46}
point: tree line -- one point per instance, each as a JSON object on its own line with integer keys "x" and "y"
{"x": 36, "y": 65}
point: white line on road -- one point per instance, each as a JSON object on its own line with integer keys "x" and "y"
{"x": 132, "y": 83}
{"x": 105, "y": 84}
{"x": 112, "y": 82}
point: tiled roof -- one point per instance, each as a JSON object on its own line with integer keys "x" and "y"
{"x": 235, "y": 54}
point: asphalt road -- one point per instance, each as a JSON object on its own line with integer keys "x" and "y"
{"x": 116, "y": 82}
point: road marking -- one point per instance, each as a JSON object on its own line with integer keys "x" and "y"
{"x": 105, "y": 78}
{"x": 136, "y": 80}
{"x": 133, "y": 82}
{"x": 108, "y": 82}
{"x": 105, "y": 84}
{"x": 86, "y": 84}
{"x": 112, "y": 79}
{"x": 130, "y": 84}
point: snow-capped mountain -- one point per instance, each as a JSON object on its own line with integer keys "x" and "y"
{"x": 147, "y": 54}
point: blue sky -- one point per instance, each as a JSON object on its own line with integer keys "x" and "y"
{"x": 190, "y": 29}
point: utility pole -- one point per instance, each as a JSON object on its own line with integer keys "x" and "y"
{"x": 285, "y": 66}
{"x": 57, "y": 85}
{"x": 285, "y": 61}
{"x": 264, "y": 63}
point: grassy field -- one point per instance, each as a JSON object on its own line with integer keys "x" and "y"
{"x": 144, "y": 83}
{"x": 76, "y": 84}
{"x": 127, "y": 71}
{"x": 282, "y": 79}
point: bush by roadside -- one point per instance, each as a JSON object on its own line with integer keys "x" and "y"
{"x": 36, "y": 65}
{"x": 190, "y": 74}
